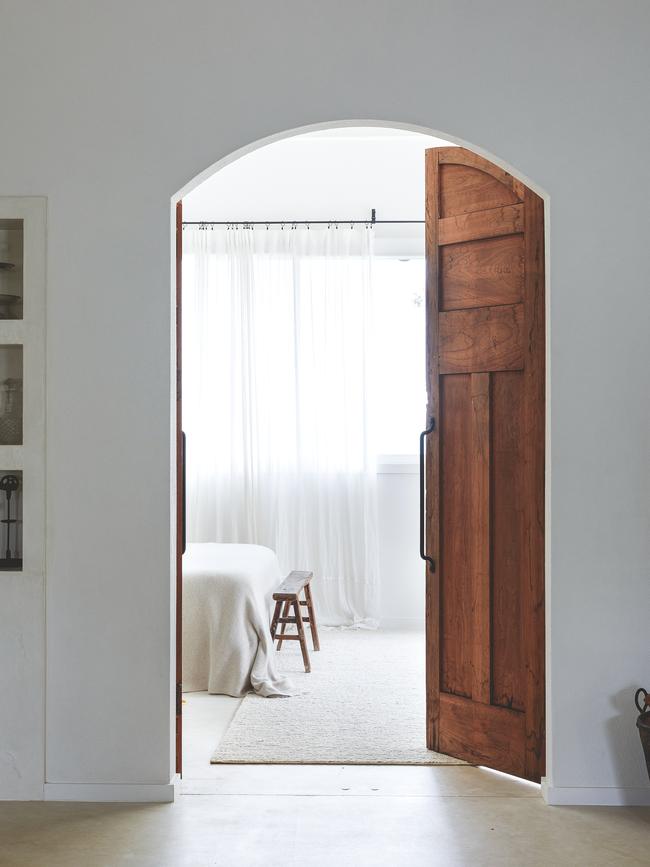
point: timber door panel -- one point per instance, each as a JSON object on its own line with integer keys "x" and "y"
{"x": 485, "y": 464}
{"x": 180, "y": 491}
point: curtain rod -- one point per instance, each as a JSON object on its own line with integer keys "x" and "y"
{"x": 373, "y": 221}
{"x": 298, "y": 222}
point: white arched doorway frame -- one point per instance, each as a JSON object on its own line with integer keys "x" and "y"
{"x": 515, "y": 172}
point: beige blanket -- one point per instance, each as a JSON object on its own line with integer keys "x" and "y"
{"x": 227, "y": 645}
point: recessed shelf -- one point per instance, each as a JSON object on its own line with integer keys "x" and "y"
{"x": 11, "y": 521}
{"x": 22, "y": 372}
{"x": 12, "y": 234}
{"x": 11, "y": 394}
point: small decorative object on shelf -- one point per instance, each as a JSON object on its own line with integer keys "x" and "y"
{"x": 12, "y": 560}
{"x": 9, "y": 304}
{"x": 11, "y": 269}
{"x": 643, "y": 722}
{"x": 11, "y": 412}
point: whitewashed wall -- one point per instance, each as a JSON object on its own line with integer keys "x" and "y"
{"x": 96, "y": 118}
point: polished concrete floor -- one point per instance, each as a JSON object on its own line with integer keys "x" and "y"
{"x": 306, "y": 816}
{"x": 274, "y": 816}
{"x": 205, "y": 721}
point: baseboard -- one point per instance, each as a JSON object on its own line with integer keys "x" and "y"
{"x": 596, "y": 796}
{"x": 125, "y": 793}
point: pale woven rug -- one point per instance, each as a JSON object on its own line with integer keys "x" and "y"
{"x": 362, "y": 704}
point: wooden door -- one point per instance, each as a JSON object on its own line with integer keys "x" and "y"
{"x": 180, "y": 494}
{"x": 485, "y": 464}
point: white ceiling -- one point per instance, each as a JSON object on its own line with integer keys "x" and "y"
{"x": 330, "y": 174}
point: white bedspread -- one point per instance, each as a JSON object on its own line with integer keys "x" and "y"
{"x": 227, "y": 646}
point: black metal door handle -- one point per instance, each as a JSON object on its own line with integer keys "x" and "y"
{"x": 431, "y": 426}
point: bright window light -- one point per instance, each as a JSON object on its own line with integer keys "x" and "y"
{"x": 400, "y": 374}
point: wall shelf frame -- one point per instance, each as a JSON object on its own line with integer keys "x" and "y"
{"x": 23, "y": 221}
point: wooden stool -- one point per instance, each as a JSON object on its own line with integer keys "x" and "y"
{"x": 287, "y": 597}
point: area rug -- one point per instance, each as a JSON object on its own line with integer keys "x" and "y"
{"x": 363, "y": 703}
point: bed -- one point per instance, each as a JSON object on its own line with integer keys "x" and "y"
{"x": 227, "y": 647}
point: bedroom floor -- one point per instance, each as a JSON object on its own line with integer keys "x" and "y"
{"x": 205, "y": 721}
{"x": 358, "y": 679}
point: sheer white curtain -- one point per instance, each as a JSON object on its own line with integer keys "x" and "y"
{"x": 277, "y": 389}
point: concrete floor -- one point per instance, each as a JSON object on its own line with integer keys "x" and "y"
{"x": 205, "y": 721}
{"x": 306, "y": 816}
{"x": 274, "y": 816}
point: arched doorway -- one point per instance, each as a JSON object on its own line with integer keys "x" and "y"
{"x": 485, "y": 292}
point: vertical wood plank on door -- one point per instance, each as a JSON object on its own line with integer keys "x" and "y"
{"x": 481, "y": 339}
{"x": 506, "y": 539}
{"x": 180, "y": 505}
{"x": 456, "y": 537}
{"x": 479, "y": 535}
{"x": 533, "y": 484}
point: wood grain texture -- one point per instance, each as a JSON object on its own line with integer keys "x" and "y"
{"x": 482, "y": 734}
{"x": 311, "y": 609}
{"x": 293, "y": 584}
{"x": 481, "y": 339}
{"x": 482, "y": 273}
{"x": 179, "y": 488}
{"x": 283, "y": 620}
{"x": 482, "y": 224}
{"x": 462, "y": 156}
{"x": 485, "y": 494}
{"x": 456, "y": 587}
{"x": 534, "y": 425}
{"x": 506, "y": 539}
{"x": 464, "y": 189}
{"x": 479, "y": 536}
{"x": 301, "y": 635}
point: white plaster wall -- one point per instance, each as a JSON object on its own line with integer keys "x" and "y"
{"x": 100, "y": 93}
{"x": 401, "y": 572}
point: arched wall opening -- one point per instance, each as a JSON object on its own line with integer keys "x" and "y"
{"x": 314, "y": 128}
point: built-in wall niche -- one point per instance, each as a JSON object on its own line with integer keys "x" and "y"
{"x": 11, "y": 268}
{"x": 11, "y": 395}
{"x": 11, "y": 520}
{"x": 23, "y": 225}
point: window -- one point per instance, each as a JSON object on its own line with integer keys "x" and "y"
{"x": 400, "y": 375}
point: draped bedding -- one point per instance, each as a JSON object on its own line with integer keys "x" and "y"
{"x": 227, "y": 646}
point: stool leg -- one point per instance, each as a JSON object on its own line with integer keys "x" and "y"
{"x": 274, "y": 621}
{"x": 312, "y": 618}
{"x": 301, "y": 633}
{"x": 285, "y": 612}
